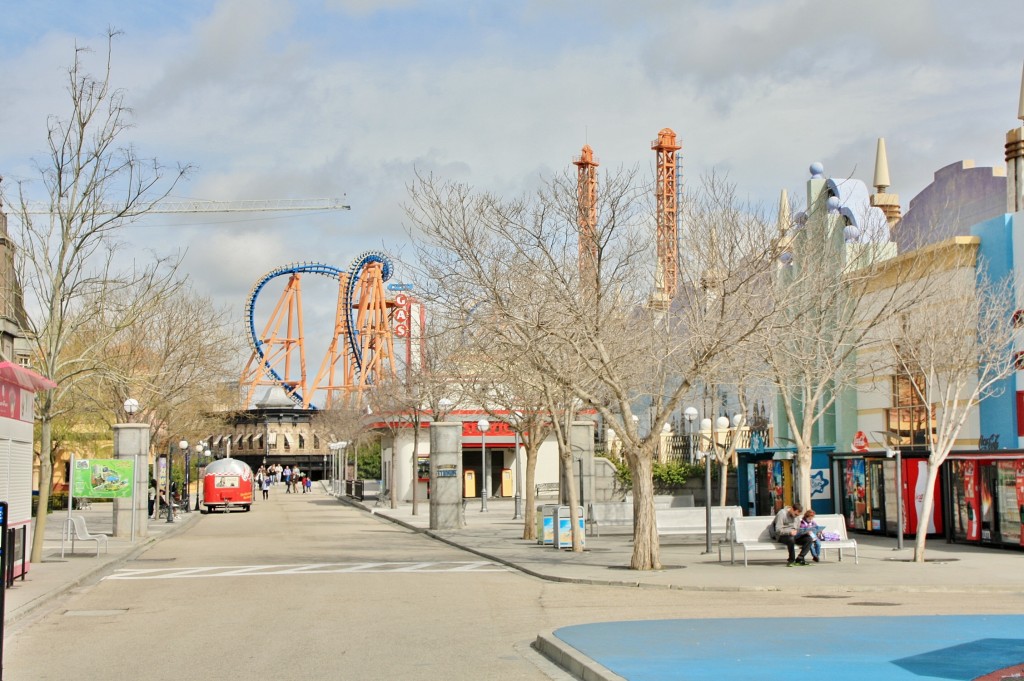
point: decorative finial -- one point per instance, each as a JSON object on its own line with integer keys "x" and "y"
{"x": 817, "y": 170}
{"x": 881, "y": 167}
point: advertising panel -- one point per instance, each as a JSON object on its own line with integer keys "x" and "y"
{"x": 103, "y": 478}
{"x": 970, "y": 473}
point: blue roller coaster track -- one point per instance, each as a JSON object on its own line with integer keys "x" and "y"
{"x": 352, "y": 334}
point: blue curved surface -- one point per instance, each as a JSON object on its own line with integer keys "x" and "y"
{"x": 325, "y": 270}
{"x": 841, "y": 648}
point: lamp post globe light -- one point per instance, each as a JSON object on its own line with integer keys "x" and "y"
{"x": 690, "y": 414}
{"x": 483, "y": 425}
{"x": 131, "y": 405}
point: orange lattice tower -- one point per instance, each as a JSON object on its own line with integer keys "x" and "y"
{"x": 667, "y": 276}
{"x": 586, "y": 201}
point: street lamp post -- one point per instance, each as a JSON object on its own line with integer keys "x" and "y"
{"x": 199, "y": 453}
{"x": 187, "y": 453}
{"x": 200, "y": 481}
{"x": 484, "y": 425}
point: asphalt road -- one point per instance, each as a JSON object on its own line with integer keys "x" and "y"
{"x": 304, "y": 587}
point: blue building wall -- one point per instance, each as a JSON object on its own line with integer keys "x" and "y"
{"x": 998, "y": 414}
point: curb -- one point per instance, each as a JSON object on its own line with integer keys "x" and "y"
{"x": 572, "y": 660}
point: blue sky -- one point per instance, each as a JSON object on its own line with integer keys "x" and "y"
{"x": 327, "y": 98}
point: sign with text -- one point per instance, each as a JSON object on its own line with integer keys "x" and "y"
{"x": 103, "y": 478}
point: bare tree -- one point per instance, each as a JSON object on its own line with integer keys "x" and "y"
{"x": 511, "y": 266}
{"x": 178, "y": 361}
{"x": 828, "y": 306}
{"x": 66, "y": 261}
{"x": 954, "y": 351}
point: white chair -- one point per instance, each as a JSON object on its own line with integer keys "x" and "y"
{"x": 81, "y": 533}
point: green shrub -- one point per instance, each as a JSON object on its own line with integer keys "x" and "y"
{"x": 667, "y": 477}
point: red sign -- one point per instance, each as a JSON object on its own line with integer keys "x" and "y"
{"x": 497, "y": 429}
{"x": 860, "y": 442}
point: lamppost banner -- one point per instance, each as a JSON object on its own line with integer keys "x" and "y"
{"x": 103, "y": 478}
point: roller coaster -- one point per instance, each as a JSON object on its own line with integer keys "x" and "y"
{"x": 362, "y": 343}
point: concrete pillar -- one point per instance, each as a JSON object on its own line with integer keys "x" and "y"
{"x": 581, "y": 442}
{"x": 446, "y": 476}
{"x": 131, "y": 441}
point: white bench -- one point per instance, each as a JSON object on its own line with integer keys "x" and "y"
{"x": 609, "y": 514}
{"x": 545, "y": 489}
{"x": 693, "y": 521}
{"x": 837, "y": 524}
{"x": 751, "y": 534}
{"x": 81, "y": 533}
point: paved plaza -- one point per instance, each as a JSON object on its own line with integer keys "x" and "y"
{"x": 949, "y": 647}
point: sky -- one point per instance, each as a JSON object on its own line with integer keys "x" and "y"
{"x": 276, "y": 99}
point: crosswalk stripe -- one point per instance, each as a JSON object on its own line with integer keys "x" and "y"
{"x": 307, "y": 569}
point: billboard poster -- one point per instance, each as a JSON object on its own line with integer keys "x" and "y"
{"x": 971, "y": 500}
{"x": 103, "y": 478}
{"x": 855, "y": 493}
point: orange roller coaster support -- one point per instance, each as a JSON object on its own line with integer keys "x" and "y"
{"x": 668, "y": 236}
{"x": 586, "y": 201}
{"x": 362, "y": 342}
{"x": 281, "y": 349}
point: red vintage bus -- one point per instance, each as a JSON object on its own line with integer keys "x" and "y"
{"x": 227, "y": 484}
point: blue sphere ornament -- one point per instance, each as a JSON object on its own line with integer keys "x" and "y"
{"x": 851, "y": 234}
{"x": 800, "y": 219}
{"x": 786, "y": 258}
{"x": 833, "y": 204}
{"x": 817, "y": 170}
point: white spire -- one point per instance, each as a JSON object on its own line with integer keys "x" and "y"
{"x": 881, "y": 168}
{"x": 784, "y": 215}
{"x": 1020, "y": 107}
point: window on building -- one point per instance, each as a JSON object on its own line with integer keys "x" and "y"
{"x": 302, "y": 442}
{"x": 907, "y": 420}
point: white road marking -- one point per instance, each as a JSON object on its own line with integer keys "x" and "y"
{"x": 309, "y": 569}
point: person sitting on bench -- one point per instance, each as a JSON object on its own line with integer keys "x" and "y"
{"x": 787, "y": 531}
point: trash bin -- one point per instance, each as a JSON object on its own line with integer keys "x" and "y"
{"x": 546, "y": 523}
{"x": 563, "y": 521}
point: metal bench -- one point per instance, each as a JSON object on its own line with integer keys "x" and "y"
{"x": 79, "y": 532}
{"x": 609, "y": 514}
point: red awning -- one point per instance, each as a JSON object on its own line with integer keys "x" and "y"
{"x": 24, "y": 378}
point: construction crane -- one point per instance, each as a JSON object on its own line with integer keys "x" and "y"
{"x": 208, "y": 206}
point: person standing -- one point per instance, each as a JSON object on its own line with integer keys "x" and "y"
{"x": 265, "y": 488}
{"x": 787, "y": 532}
{"x": 152, "y": 497}
{"x": 287, "y": 474}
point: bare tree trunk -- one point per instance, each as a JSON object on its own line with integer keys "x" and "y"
{"x": 723, "y": 484}
{"x": 926, "y": 512}
{"x": 394, "y": 476}
{"x": 45, "y": 485}
{"x": 415, "y": 466}
{"x": 803, "y": 474}
{"x": 530, "y": 512}
{"x": 646, "y": 548}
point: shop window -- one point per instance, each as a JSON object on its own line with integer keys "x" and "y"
{"x": 907, "y": 420}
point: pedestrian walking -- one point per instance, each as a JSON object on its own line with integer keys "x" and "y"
{"x": 265, "y": 488}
